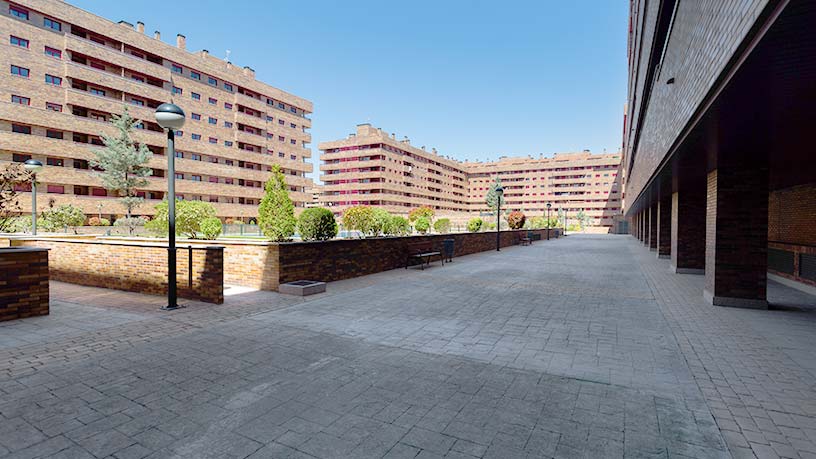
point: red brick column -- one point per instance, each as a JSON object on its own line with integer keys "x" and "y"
{"x": 23, "y": 283}
{"x": 644, "y": 226}
{"x": 736, "y": 252}
{"x": 688, "y": 231}
{"x": 640, "y": 226}
{"x": 653, "y": 227}
{"x": 664, "y": 227}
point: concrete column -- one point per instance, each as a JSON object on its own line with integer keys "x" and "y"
{"x": 664, "y": 227}
{"x": 736, "y": 254}
{"x": 653, "y": 227}
{"x": 688, "y": 231}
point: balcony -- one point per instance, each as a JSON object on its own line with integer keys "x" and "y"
{"x": 107, "y": 79}
{"x": 104, "y": 53}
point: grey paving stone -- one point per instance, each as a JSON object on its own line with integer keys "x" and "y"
{"x": 16, "y": 434}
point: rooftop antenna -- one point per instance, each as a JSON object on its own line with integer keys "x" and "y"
{"x": 226, "y": 59}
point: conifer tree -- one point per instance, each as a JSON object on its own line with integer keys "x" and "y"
{"x": 492, "y": 197}
{"x": 276, "y": 214}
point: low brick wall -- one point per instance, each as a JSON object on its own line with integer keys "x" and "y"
{"x": 134, "y": 266}
{"x": 347, "y": 258}
{"x": 23, "y": 283}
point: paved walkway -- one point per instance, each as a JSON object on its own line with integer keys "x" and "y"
{"x": 579, "y": 347}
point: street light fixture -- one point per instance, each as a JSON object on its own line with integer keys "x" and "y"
{"x": 548, "y": 220}
{"x": 499, "y": 195}
{"x": 33, "y": 166}
{"x": 171, "y": 118}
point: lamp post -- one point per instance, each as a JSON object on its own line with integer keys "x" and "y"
{"x": 33, "y": 166}
{"x": 548, "y": 220}
{"x": 499, "y": 197}
{"x": 171, "y": 117}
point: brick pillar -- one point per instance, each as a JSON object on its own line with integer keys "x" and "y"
{"x": 736, "y": 253}
{"x": 664, "y": 227}
{"x": 637, "y": 225}
{"x": 653, "y": 227}
{"x": 688, "y": 231}
{"x": 646, "y": 219}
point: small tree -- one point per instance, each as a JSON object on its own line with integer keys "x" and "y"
{"x": 11, "y": 177}
{"x": 474, "y": 225}
{"x": 583, "y": 219}
{"x": 211, "y": 228}
{"x": 123, "y": 163}
{"x": 189, "y": 215}
{"x": 398, "y": 226}
{"x": 424, "y": 211}
{"x": 515, "y": 219}
{"x": 381, "y": 219}
{"x": 317, "y": 224}
{"x": 492, "y": 196}
{"x": 442, "y": 225}
{"x": 422, "y": 224}
{"x": 359, "y": 218}
{"x": 276, "y": 214}
{"x": 64, "y": 216}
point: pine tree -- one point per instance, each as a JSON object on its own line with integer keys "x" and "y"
{"x": 276, "y": 214}
{"x": 492, "y": 197}
{"x": 123, "y": 163}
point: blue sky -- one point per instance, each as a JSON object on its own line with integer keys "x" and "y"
{"x": 475, "y": 79}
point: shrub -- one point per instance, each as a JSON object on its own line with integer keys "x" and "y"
{"x": 317, "y": 224}
{"x": 130, "y": 222}
{"x": 474, "y": 225}
{"x": 63, "y": 216}
{"x": 423, "y": 211}
{"x": 515, "y": 219}
{"x": 276, "y": 214}
{"x": 422, "y": 225}
{"x": 96, "y": 221}
{"x": 359, "y": 218}
{"x": 20, "y": 224}
{"x": 189, "y": 215}
{"x": 211, "y": 228}
{"x": 380, "y": 221}
{"x": 489, "y": 226}
{"x": 398, "y": 226}
{"x": 442, "y": 225}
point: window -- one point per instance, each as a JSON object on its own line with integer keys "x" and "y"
{"x": 195, "y": 178}
{"x": 228, "y": 86}
{"x": 83, "y": 164}
{"x": 52, "y": 24}
{"x": 20, "y": 100}
{"x": 227, "y": 143}
{"x": 292, "y": 141}
{"x": 179, "y": 176}
{"x": 55, "y": 80}
{"x": 137, "y": 78}
{"x": 176, "y": 68}
{"x": 196, "y": 136}
{"x": 53, "y": 107}
{"x": 179, "y": 154}
{"x": 176, "y": 90}
{"x": 212, "y": 81}
{"x": 213, "y": 120}
{"x": 20, "y": 129}
{"x": 213, "y": 140}
{"x": 213, "y": 101}
{"x": 137, "y": 102}
{"x": 195, "y": 96}
{"x": 227, "y": 124}
{"x": 281, "y": 138}
{"x": 97, "y": 65}
{"x": 59, "y": 189}
{"x": 293, "y": 157}
{"x": 20, "y": 71}
{"x": 195, "y": 157}
{"x": 281, "y": 122}
{"x": 195, "y": 75}
{"x": 97, "y": 92}
{"x": 18, "y": 12}
{"x": 228, "y": 105}
{"x": 54, "y": 162}
{"x": 18, "y": 158}
{"x": 269, "y": 118}
{"x": 17, "y": 41}
{"x": 293, "y": 125}
{"x": 179, "y": 133}
{"x": 52, "y": 134}
{"x": 196, "y": 116}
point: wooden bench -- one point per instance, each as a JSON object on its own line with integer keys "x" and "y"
{"x": 525, "y": 240}
{"x": 424, "y": 252}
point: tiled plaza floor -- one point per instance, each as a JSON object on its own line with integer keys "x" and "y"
{"x": 579, "y": 347}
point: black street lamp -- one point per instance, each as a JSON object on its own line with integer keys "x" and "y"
{"x": 499, "y": 197}
{"x": 548, "y": 220}
{"x": 33, "y": 166}
{"x": 171, "y": 118}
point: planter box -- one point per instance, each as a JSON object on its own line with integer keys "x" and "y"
{"x": 23, "y": 283}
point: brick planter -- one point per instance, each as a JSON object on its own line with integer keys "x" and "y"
{"x": 23, "y": 283}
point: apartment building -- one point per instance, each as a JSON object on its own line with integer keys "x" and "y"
{"x": 374, "y": 168}
{"x": 68, "y": 71}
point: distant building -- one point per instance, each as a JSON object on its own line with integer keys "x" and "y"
{"x": 316, "y": 192}
{"x": 374, "y": 168}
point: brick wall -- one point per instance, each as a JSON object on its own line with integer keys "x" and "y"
{"x": 135, "y": 267}
{"x": 23, "y": 283}
{"x": 790, "y": 215}
{"x": 344, "y": 259}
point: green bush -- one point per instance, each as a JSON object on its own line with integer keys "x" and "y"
{"x": 276, "y": 214}
{"x": 96, "y": 221}
{"x": 62, "y": 216}
{"x": 359, "y": 218}
{"x": 20, "y": 224}
{"x": 189, "y": 215}
{"x": 317, "y": 224}
{"x": 422, "y": 225}
{"x": 442, "y": 225}
{"x": 380, "y": 222}
{"x": 489, "y": 226}
{"x": 515, "y": 219}
{"x": 398, "y": 226}
{"x": 130, "y": 222}
{"x": 211, "y": 228}
{"x": 424, "y": 211}
{"x": 474, "y": 225}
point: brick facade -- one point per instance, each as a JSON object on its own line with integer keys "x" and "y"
{"x": 653, "y": 227}
{"x": 664, "y": 207}
{"x": 135, "y": 267}
{"x": 23, "y": 283}
{"x": 790, "y": 215}
{"x": 688, "y": 231}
